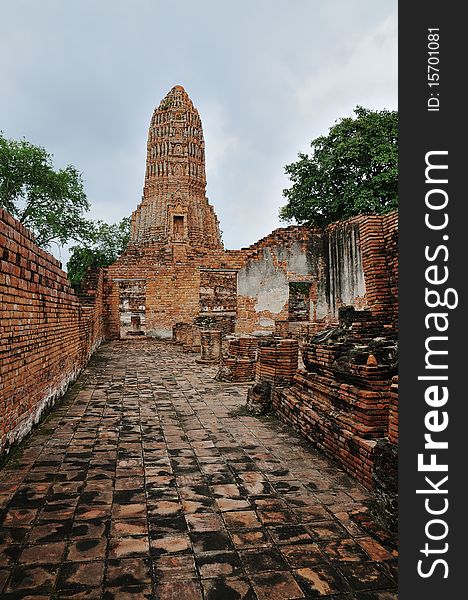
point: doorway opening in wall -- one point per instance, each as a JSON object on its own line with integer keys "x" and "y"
{"x": 178, "y": 226}
{"x": 299, "y": 301}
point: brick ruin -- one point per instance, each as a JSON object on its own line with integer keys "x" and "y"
{"x": 324, "y": 300}
{"x": 176, "y": 271}
{"x": 47, "y": 332}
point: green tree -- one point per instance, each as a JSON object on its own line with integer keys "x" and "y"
{"x": 352, "y": 170}
{"x": 108, "y": 243}
{"x": 50, "y": 203}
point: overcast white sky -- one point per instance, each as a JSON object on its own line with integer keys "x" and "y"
{"x": 267, "y": 76}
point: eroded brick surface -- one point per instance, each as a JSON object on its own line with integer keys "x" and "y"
{"x": 149, "y": 481}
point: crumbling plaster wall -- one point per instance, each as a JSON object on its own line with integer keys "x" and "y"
{"x": 345, "y": 282}
{"x": 330, "y": 260}
{"x": 263, "y": 286}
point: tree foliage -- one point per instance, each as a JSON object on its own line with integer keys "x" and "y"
{"x": 108, "y": 243}
{"x": 350, "y": 171}
{"x": 50, "y": 203}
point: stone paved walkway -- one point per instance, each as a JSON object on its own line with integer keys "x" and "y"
{"x": 145, "y": 483}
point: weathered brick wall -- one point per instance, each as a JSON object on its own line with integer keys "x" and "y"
{"x": 348, "y": 263}
{"x": 393, "y": 412}
{"x": 239, "y": 360}
{"x": 172, "y": 296}
{"x": 352, "y": 262}
{"x": 47, "y": 332}
{"x": 390, "y": 239}
{"x": 277, "y": 361}
{"x": 287, "y": 255}
{"x": 379, "y": 247}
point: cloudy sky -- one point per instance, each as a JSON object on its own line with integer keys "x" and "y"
{"x": 82, "y": 79}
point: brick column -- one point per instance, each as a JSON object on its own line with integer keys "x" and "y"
{"x": 210, "y": 345}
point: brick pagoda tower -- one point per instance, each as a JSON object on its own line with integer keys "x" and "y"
{"x": 174, "y": 207}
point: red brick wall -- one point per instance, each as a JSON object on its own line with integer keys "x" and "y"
{"x": 47, "y": 332}
{"x": 379, "y": 247}
{"x": 393, "y": 413}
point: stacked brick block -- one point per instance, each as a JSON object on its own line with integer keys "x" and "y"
{"x": 210, "y": 345}
{"x": 238, "y": 364}
{"x": 47, "y": 332}
{"x": 187, "y": 336}
{"x": 277, "y": 361}
{"x": 342, "y": 400}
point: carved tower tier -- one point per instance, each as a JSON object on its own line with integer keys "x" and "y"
{"x": 174, "y": 207}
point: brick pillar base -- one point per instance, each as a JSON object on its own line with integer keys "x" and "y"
{"x": 210, "y": 346}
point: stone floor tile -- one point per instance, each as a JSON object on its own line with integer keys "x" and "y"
{"x": 87, "y": 549}
{"x": 9, "y": 554}
{"x": 321, "y": 580}
{"x": 129, "y": 483}
{"x": 228, "y": 490}
{"x": 241, "y": 519}
{"x": 198, "y": 506}
{"x": 32, "y": 579}
{"x": 302, "y": 555}
{"x": 170, "y": 544}
{"x": 167, "y": 525}
{"x": 79, "y": 575}
{"x": 327, "y": 530}
{"x": 219, "y": 564}
{"x": 210, "y": 541}
{"x": 42, "y": 533}
{"x": 256, "y": 538}
{"x": 259, "y": 560}
{"x": 230, "y": 587}
{"x": 164, "y": 508}
{"x": 178, "y": 590}
{"x": 308, "y": 514}
{"x": 271, "y": 518}
{"x": 141, "y": 592}
{"x": 290, "y": 534}
{"x": 90, "y": 529}
{"x": 128, "y": 572}
{"x": 366, "y": 576}
{"x": 130, "y": 527}
{"x": 204, "y": 522}
{"x": 374, "y": 549}
{"x": 51, "y": 553}
{"x": 345, "y": 549}
{"x": 276, "y": 586}
{"x": 15, "y": 517}
{"x": 128, "y": 546}
{"x": 13, "y": 535}
{"x": 62, "y": 511}
{"x": 128, "y": 511}
{"x": 172, "y": 567}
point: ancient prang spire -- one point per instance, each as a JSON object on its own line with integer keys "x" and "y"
{"x": 174, "y": 208}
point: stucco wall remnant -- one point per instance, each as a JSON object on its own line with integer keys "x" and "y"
{"x": 132, "y": 308}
